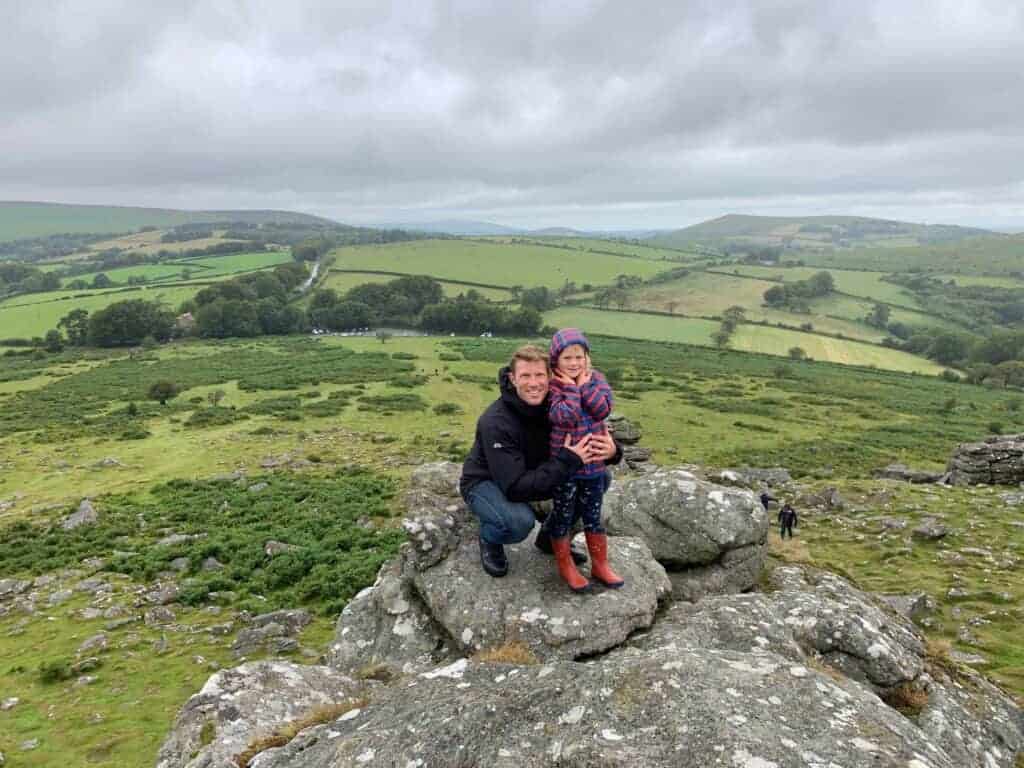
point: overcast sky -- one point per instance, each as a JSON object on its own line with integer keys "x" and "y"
{"x": 587, "y": 114}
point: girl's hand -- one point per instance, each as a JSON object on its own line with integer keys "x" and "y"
{"x": 564, "y": 377}
{"x": 585, "y": 377}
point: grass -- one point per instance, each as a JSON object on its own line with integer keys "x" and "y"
{"x": 868, "y": 285}
{"x": 494, "y": 263}
{"x": 203, "y": 268}
{"x": 35, "y": 314}
{"x": 288, "y": 731}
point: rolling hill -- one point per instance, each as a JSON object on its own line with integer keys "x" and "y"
{"x": 813, "y": 232}
{"x": 20, "y": 220}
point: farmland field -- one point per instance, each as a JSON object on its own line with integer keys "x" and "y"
{"x": 993, "y": 255}
{"x": 851, "y": 308}
{"x": 121, "y": 275}
{"x": 344, "y": 281}
{"x": 35, "y": 314}
{"x": 750, "y": 338}
{"x": 149, "y": 243}
{"x": 856, "y": 283}
{"x": 634, "y": 250}
{"x": 710, "y": 293}
{"x": 494, "y": 263}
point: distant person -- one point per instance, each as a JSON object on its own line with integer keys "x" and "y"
{"x": 511, "y": 463}
{"x": 766, "y": 499}
{"x": 579, "y": 402}
{"x": 787, "y": 520}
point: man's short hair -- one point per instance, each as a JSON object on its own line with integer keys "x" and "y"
{"x": 530, "y": 354}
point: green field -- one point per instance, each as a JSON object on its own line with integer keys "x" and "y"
{"x": 708, "y": 294}
{"x": 121, "y": 275}
{"x": 639, "y": 250}
{"x": 492, "y": 263}
{"x": 36, "y": 313}
{"x": 748, "y": 338}
{"x": 345, "y": 281}
{"x": 856, "y": 283}
{"x": 992, "y": 255}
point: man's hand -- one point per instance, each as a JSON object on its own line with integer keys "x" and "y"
{"x": 602, "y": 447}
{"x": 582, "y": 448}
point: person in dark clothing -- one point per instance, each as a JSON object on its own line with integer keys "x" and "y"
{"x": 766, "y": 499}
{"x": 510, "y": 462}
{"x": 787, "y": 520}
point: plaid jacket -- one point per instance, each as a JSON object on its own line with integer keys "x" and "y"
{"x": 579, "y": 411}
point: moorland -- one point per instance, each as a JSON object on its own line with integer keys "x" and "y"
{"x": 307, "y": 440}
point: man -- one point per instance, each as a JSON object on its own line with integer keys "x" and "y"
{"x": 509, "y": 462}
{"x": 787, "y": 520}
{"x": 766, "y": 499}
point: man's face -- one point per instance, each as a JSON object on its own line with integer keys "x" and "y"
{"x": 530, "y": 378}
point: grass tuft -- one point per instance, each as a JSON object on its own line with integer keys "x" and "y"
{"x": 513, "y": 652}
{"x": 285, "y": 733}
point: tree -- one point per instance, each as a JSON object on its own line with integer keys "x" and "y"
{"x": 101, "y": 281}
{"x": 879, "y": 316}
{"x": 163, "y": 391}
{"x": 127, "y": 323}
{"x": 383, "y": 336}
{"x": 54, "y": 341}
{"x": 214, "y": 397}
{"x": 721, "y": 337}
{"x": 797, "y": 353}
{"x": 775, "y": 296}
{"x": 76, "y": 325}
{"x": 734, "y": 315}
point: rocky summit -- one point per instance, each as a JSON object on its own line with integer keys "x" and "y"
{"x": 438, "y": 665}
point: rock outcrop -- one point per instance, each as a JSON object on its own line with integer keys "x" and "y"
{"x": 810, "y": 672}
{"x": 713, "y": 539}
{"x": 997, "y": 460}
{"x": 910, "y": 475}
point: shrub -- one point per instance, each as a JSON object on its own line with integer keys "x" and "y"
{"x": 213, "y": 417}
{"x": 403, "y": 356}
{"x": 134, "y": 433}
{"x": 444, "y": 409}
{"x": 949, "y": 375}
{"x": 55, "y": 671}
{"x": 449, "y": 357}
{"x": 995, "y": 428}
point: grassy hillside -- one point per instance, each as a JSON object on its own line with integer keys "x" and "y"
{"x": 344, "y": 281}
{"x": 300, "y": 415}
{"x": 23, "y": 220}
{"x": 812, "y": 232}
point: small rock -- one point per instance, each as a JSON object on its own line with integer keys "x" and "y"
{"x": 257, "y": 487}
{"x": 97, "y": 642}
{"x": 85, "y": 515}
{"x": 60, "y": 596}
{"x": 161, "y": 614}
{"x": 107, "y": 463}
{"x": 85, "y": 680}
{"x": 212, "y": 564}
{"x": 273, "y": 548}
{"x": 930, "y": 529}
{"x": 179, "y": 564}
{"x": 28, "y": 745}
{"x": 10, "y": 703}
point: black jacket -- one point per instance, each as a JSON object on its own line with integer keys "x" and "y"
{"x": 511, "y": 448}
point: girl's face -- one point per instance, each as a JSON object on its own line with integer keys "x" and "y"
{"x": 573, "y": 360}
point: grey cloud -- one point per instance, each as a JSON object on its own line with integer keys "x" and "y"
{"x": 559, "y": 109}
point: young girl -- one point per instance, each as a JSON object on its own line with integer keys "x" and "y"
{"x": 579, "y": 401}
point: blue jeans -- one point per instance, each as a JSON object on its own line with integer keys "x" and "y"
{"x": 501, "y": 521}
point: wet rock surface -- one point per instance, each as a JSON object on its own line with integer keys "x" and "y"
{"x": 796, "y": 675}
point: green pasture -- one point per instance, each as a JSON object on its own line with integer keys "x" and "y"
{"x": 121, "y": 275}
{"x": 856, "y": 283}
{"x": 749, "y": 338}
{"x": 637, "y": 250}
{"x": 34, "y": 314}
{"x": 988, "y": 280}
{"x": 233, "y": 263}
{"x": 711, "y": 293}
{"x": 989, "y": 255}
{"x": 854, "y": 309}
{"x": 345, "y": 281}
{"x": 494, "y": 263}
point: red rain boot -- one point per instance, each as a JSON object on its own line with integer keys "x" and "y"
{"x": 566, "y": 566}
{"x": 597, "y": 543}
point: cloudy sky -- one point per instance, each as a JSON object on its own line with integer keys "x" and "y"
{"x": 588, "y": 114}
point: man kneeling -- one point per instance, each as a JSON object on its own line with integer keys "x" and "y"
{"x": 510, "y": 462}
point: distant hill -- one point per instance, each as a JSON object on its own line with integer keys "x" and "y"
{"x": 456, "y": 227}
{"x": 813, "y": 232}
{"x": 19, "y": 220}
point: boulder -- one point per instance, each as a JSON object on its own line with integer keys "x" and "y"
{"x": 237, "y": 706}
{"x": 622, "y": 429}
{"x": 997, "y": 460}
{"x": 275, "y": 632}
{"x": 903, "y": 472}
{"x": 85, "y": 515}
{"x": 930, "y": 529}
{"x": 10, "y": 588}
{"x": 754, "y": 478}
{"x": 711, "y": 537}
